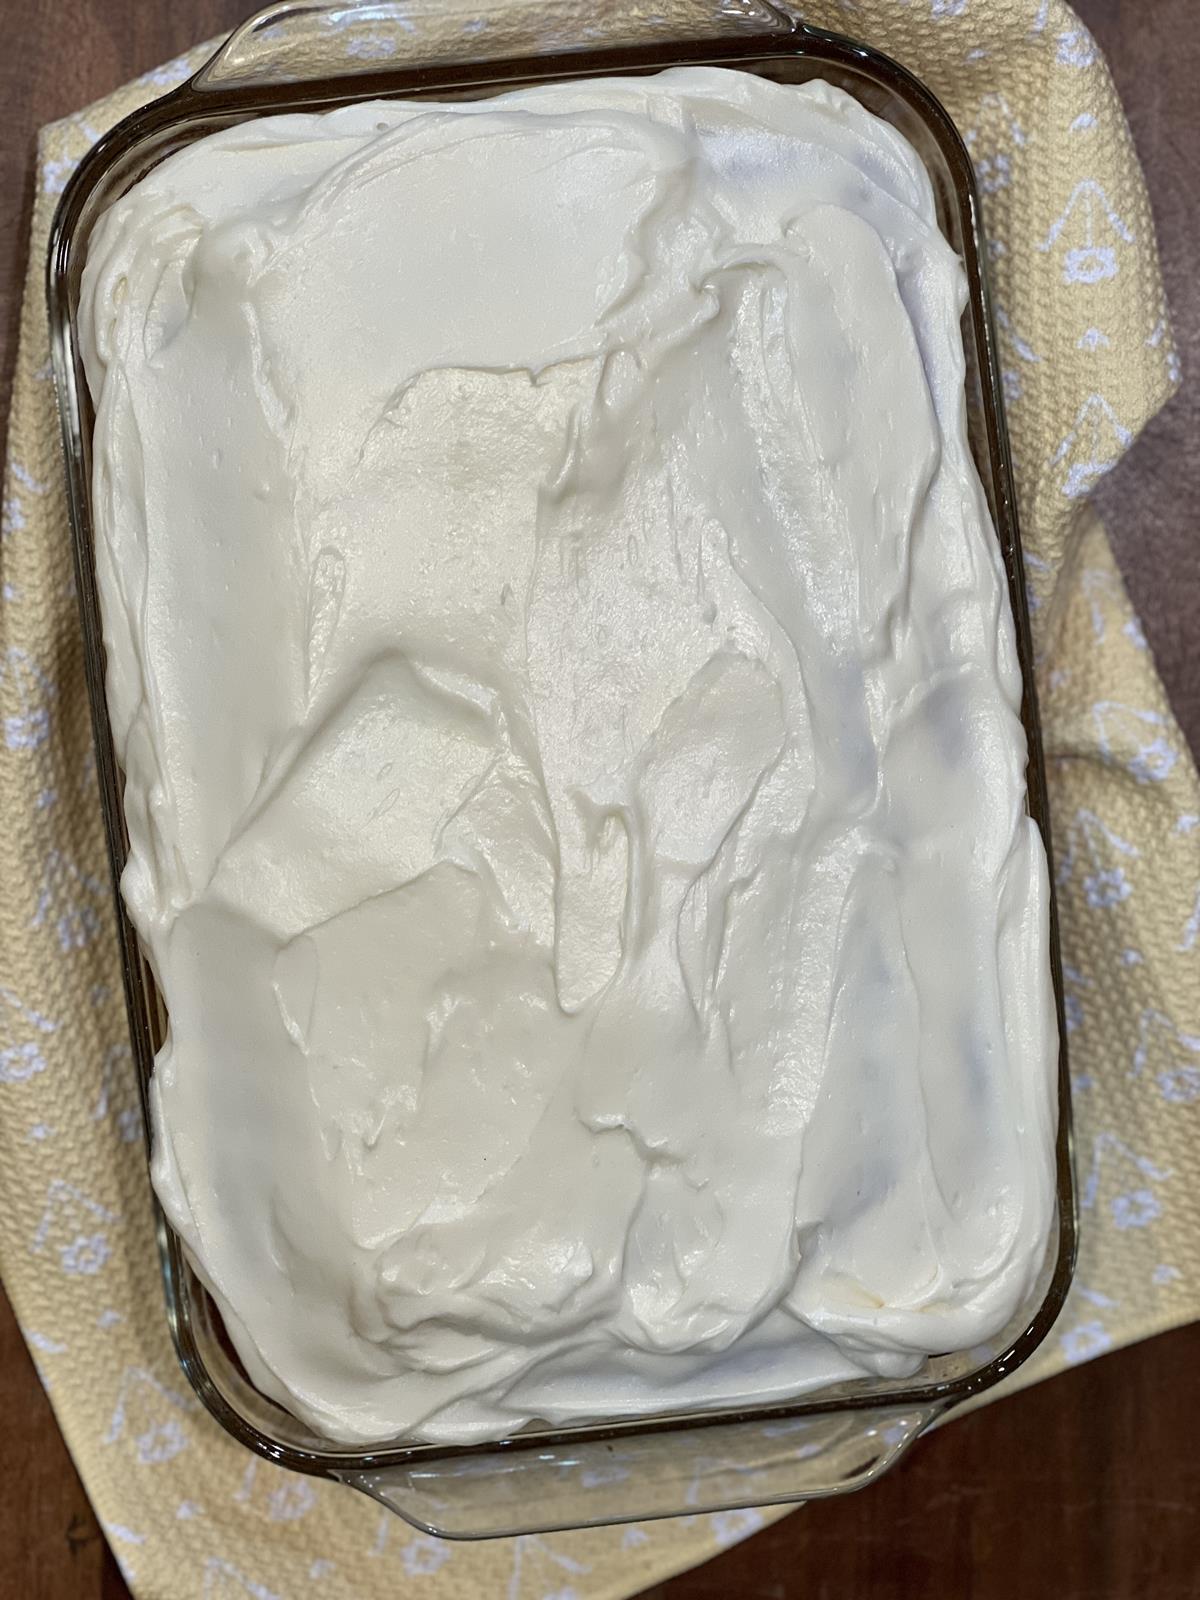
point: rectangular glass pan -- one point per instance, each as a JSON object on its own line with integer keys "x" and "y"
{"x": 318, "y": 55}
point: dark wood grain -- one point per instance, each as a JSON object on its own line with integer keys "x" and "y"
{"x": 1085, "y": 1488}
{"x": 1149, "y": 505}
{"x": 51, "y": 1547}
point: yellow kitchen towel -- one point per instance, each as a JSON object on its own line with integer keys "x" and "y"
{"x": 1088, "y": 358}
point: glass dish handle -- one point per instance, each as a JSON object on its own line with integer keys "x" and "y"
{"x": 290, "y": 42}
{"x": 688, "y": 1471}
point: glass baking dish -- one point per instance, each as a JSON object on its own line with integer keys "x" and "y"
{"x": 315, "y": 54}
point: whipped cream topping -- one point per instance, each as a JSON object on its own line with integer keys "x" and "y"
{"x": 564, "y": 677}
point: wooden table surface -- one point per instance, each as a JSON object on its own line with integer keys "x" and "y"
{"x": 1085, "y": 1488}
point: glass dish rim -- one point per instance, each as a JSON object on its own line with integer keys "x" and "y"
{"x": 152, "y": 126}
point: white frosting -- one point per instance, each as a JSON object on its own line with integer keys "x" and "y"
{"x": 565, "y": 681}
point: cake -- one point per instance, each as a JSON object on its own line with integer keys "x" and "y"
{"x": 563, "y": 674}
